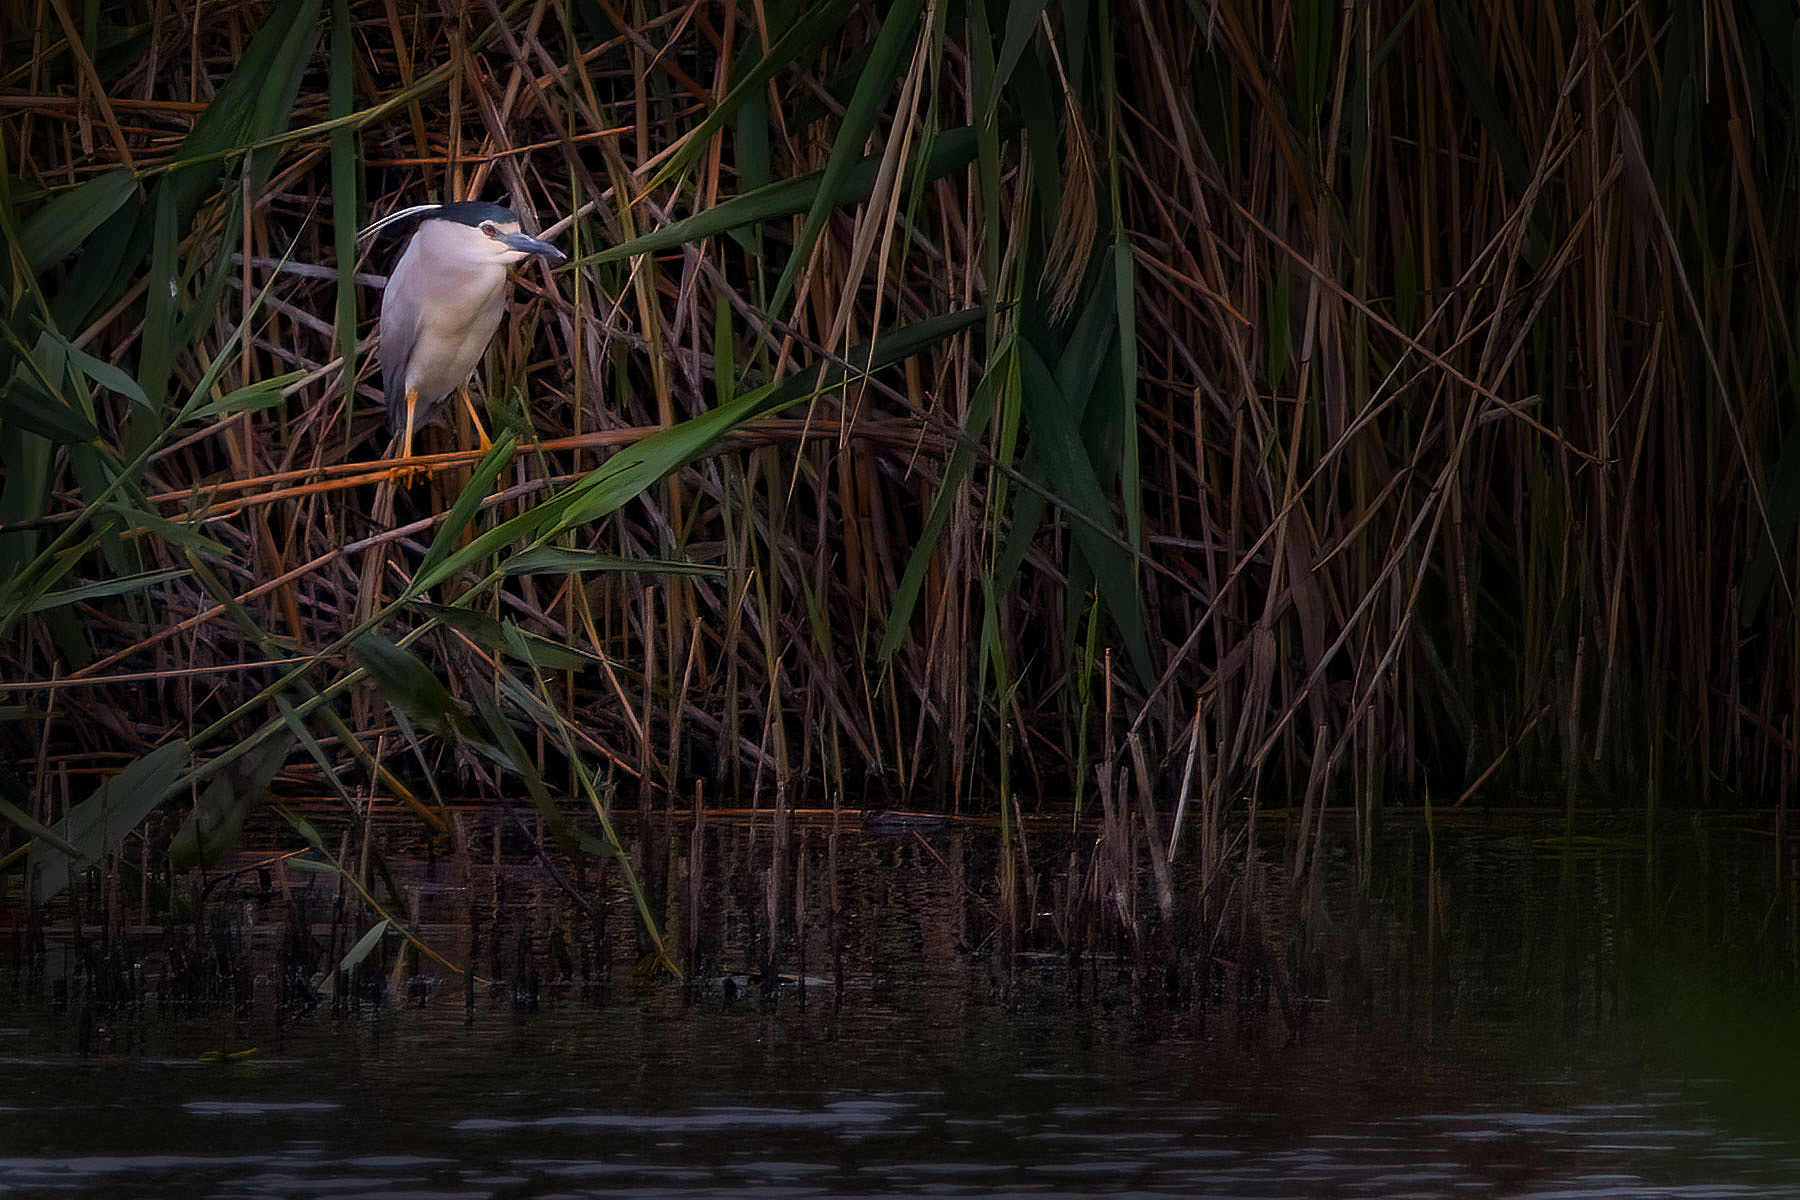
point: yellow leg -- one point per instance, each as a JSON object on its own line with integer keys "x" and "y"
{"x": 469, "y": 405}
{"x": 404, "y": 477}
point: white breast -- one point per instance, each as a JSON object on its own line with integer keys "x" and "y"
{"x": 444, "y": 299}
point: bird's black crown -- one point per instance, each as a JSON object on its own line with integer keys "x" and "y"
{"x": 473, "y": 212}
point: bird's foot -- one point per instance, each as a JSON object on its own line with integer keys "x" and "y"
{"x": 408, "y": 471}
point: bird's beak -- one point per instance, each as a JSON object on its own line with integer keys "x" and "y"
{"x": 524, "y": 243}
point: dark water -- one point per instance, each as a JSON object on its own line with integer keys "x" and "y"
{"x": 1503, "y": 1013}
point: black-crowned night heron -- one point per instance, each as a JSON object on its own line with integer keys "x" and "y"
{"x": 444, "y": 301}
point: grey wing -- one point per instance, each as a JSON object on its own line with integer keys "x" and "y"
{"x": 399, "y": 335}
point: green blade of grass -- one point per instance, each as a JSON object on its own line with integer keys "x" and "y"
{"x": 565, "y": 560}
{"x": 103, "y": 373}
{"x": 97, "y": 826}
{"x": 252, "y": 397}
{"x": 346, "y": 205}
{"x": 461, "y": 518}
{"x": 219, "y": 814}
{"x": 898, "y": 29}
{"x": 103, "y": 588}
{"x": 507, "y": 638}
{"x": 1021, "y": 23}
{"x": 412, "y": 688}
{"x": 956, "y": 471}
{"x": 54, "y": 231}
{"x": 1072, "y": 480}
{"x": 35, "y": 830}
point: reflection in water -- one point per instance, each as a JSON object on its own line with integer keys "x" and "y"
{"x": 1543, "y": 1018}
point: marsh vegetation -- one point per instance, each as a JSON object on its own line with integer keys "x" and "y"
{"x": 1132, "y": 415}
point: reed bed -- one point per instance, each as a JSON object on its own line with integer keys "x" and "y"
{"x": 1138, "y": 412}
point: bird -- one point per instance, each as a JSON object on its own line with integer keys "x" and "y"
{"x": 444, "y": 301}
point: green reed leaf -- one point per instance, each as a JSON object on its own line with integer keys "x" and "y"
{"x": 97, "y": 826}
{"x": 56, "y": 230}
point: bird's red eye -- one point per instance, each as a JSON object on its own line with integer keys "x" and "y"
{"x": 490, "y": 229}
